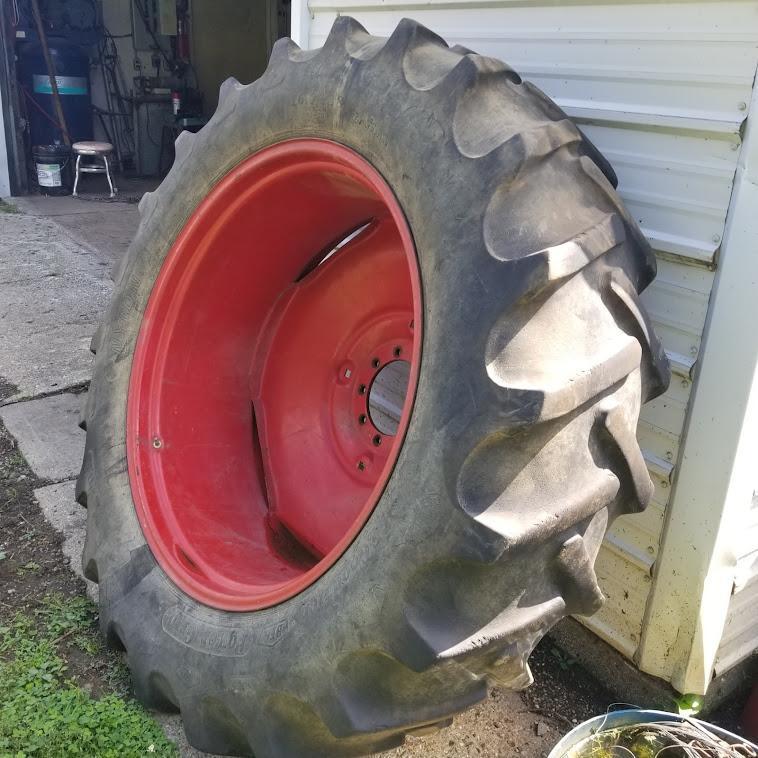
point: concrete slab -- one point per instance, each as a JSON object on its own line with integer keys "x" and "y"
{"x": 52, "y": 295}
{"x": 172, "y": 726}
{"x": 103, "y": 225}
{"x": 107, "y": 233}
{"x": 48, "y": 435}
{"x": 51, "y": 207}
{"x": 70, "y": 519}
{"x": 93, "y": 197}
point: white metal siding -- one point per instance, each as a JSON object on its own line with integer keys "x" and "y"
{"x": 662, "y": 89}
{"x": 740, "y": 637}
{"x": 689, "y": 603}
{"x": 741, "y": 629}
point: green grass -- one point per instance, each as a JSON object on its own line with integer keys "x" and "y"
{"x": 7, "y": 207}
{"x": 45, "y": 713}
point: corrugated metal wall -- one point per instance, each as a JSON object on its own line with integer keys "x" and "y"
{"x": 741, "y": 629}
{"x": 662, "y": 89}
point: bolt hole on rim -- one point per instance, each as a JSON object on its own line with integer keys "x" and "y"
{"x": 301, "y": 378}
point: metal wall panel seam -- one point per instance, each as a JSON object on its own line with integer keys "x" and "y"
{"x": 693, "y": 579}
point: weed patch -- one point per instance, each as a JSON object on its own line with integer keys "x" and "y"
{"x": 45, "y": 713}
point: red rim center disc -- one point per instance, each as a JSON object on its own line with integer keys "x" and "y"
{"x": 254, "y": 459}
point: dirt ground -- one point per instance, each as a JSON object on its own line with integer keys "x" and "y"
{"x": 33, "y": 567}
{"x": 524, "y": 723}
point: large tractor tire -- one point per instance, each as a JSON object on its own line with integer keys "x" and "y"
{"x": 364, "y": 401}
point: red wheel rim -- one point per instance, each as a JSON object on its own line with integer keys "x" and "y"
{"x": 254, "y": 459}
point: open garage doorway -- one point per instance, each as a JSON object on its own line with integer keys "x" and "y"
{"x": 130, "y": 73}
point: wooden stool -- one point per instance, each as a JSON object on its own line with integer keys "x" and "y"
{"x": 95, "y": 150}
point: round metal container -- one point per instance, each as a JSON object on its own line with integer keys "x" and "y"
{"x": 616, "y": 719}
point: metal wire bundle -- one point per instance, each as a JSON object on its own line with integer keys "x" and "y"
{"x": 668, "y": 739}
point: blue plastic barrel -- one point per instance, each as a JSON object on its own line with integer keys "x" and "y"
{"x": 71, "y": 64}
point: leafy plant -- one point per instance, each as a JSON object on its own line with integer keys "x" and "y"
{"x": 31, "y": 567}
{"x": 45, "y": 714}
{"x": 88, "y": 643}
{"x": 565, "y": 661}
{"x": 64, "y": 615}
{"x": 689, "y": 705}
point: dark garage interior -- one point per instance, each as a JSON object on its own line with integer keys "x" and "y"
{"x": 129, "y": 73}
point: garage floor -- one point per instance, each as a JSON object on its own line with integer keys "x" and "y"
{"x": 57, "y": 255}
